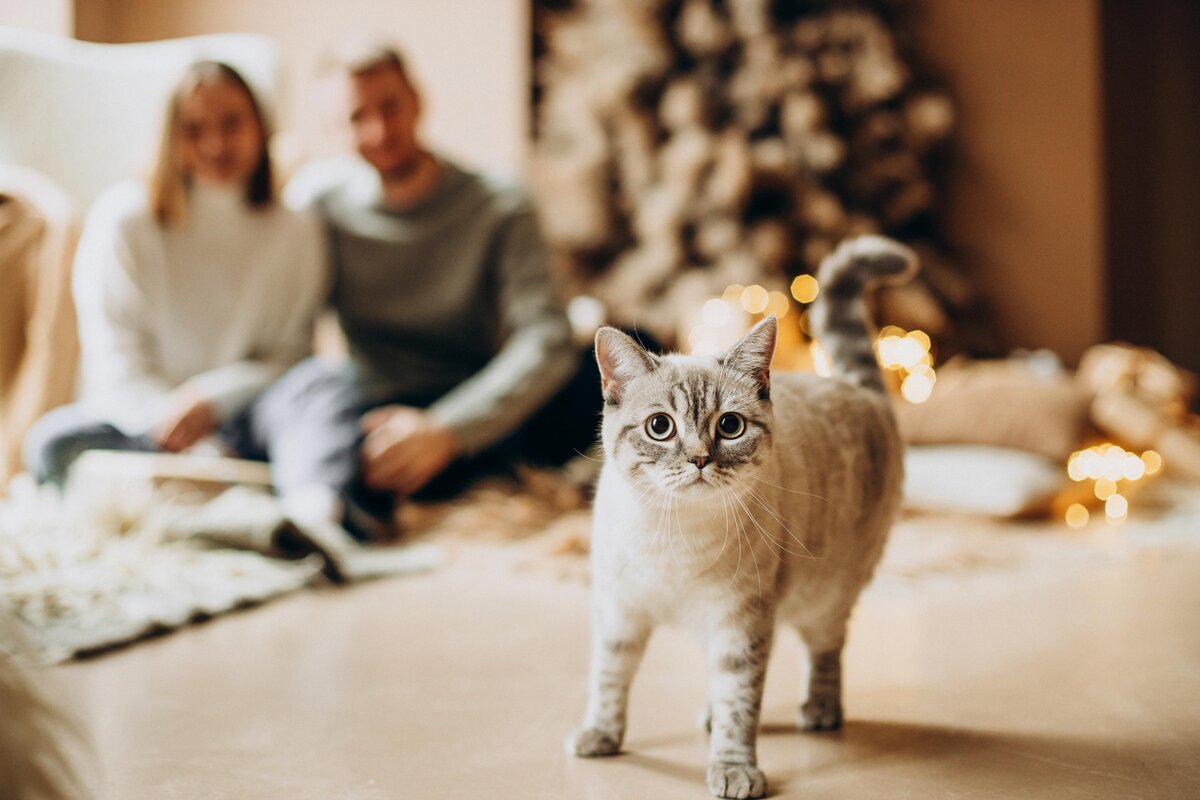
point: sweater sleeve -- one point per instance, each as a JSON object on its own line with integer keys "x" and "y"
{"x": 537, "y": 357}
{"x": 113, "y": 294}
{"x": 303, "y": 287}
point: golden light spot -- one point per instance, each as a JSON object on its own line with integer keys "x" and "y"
{"x": 755, "y": 299}
{"x": 1113, "y": 466}
{"x": 1091, "y": 464}
{"x": 715, "y": 313}
{"x": 1104, "y": 489}
{"x": 1116, "y": 507}
{"x": 1153, "y": 462}
{"x": 733, "y": 293}
{"x": 821, "y": 363}
{"x": 778, "y": 304}
{"x": 908, "y": 352}
{"x": 1135, "y": 468}
{"x": 1077, "y": 516}
{"x": 917, "y": 387}
{"x": 1075, "y": 467}
{"x": 921, "y": 338}
{"x": 885, "y": 349}
{"x": 805, "y": 288}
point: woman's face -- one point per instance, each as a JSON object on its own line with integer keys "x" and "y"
{"x": 220, "y": 136}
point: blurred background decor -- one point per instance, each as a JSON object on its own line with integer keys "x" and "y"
{"x": 685, "y": 148}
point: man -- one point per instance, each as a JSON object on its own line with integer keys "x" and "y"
{"x": 456, "y": 336}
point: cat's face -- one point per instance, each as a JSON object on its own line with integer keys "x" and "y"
{"x": 684, "y": 424}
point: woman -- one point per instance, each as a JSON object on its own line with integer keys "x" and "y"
{"x": 194, "y": 292}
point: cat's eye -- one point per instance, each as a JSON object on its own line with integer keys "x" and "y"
{"x": 731, "y": 426}
{"x": 660, "y": 427}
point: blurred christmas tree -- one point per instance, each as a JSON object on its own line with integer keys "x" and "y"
{"x": 688, "y": 149}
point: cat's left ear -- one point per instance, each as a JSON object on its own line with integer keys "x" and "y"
{"x": 752, "y": 355}
{"x": 621, "y": 359}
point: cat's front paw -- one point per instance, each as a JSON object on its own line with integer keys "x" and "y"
{"x": 592, "y": 742}
{"x": 821, "y": 714}
{"x": 736, "y": 780}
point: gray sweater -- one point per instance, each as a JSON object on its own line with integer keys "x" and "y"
{"x": 448, "y": 304}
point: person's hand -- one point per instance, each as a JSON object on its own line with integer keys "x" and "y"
{"x": 405, "y": 448}
{"x": 189, "y": 420}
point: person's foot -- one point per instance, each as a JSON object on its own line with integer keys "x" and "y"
{"x": 346, "y": 559}
{"x": 239, "y": 518}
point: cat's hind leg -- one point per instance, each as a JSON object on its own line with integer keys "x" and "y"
{"x": 618, "y": 642}
{"x": 822, "y": 710}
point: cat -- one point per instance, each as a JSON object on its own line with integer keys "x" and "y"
{"x": 731, "y": 499}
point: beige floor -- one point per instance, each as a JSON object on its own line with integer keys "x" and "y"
{"x": 463, "y": 685}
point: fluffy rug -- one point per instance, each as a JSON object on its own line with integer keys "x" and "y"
{"x": 96, "y": 570}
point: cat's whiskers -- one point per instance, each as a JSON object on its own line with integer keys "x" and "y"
{"x": 770, "y": 538}
{"x": 585, "y": 455}
{"x": 793, "y": 491}
{"x": 724, "y": 541}
{"x": 737, "y": 528}
{"x": 686, "y": 537}
{"x": 672, "y": 512}
{"x": 782, "y": 522}
{"x": 750, "y": 544}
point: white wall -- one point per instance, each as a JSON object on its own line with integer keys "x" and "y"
{"x": 469, "y": 56}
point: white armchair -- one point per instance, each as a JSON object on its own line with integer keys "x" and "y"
{"x": 88, "y": 115}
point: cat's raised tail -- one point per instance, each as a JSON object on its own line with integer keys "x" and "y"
{"x": 839, "y": 315}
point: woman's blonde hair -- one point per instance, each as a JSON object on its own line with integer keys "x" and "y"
{"x": 168, "y": 183}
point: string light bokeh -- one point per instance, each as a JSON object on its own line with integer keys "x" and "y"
{"x": 1112, "y": 470}
{"x": 722, "y": 321}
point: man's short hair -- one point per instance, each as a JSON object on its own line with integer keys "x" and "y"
{"x": 360, "y": 56}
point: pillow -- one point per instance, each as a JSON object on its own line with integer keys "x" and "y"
{"x": 979, "y": 479}
{"x": 1014, "y": 403}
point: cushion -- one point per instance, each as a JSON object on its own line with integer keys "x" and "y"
{"x": 979, "y": 479}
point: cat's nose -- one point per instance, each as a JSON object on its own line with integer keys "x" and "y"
{"x": 700, "y": 461}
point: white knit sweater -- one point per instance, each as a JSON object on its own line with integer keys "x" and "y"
{"x": 224, "y": 303}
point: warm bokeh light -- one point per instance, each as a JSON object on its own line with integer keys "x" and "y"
{"x": 733, "y": 293}
{"x": 1108, "y": 465}
{"x": 805, "y": 324}
{"x": 1075, "y": 468}
{"x": 1077, "y": 516}
{"x": 1113, "y": 466}
{"x": 1135, "y": 468}
{"x": 921, "y": 338}
{"x": 715, "y": 313}
{"x": 754, "y": 299}
{"x": 1116, "y": 507}
{"x": 917, "y": 387}
{"x": 805, "y": 288}
{"x": 907, "y": 352}
{"x": 778, "y": 304}
{"x": 821, "y": 364}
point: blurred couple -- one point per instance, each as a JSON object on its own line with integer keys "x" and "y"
{"x": 197, "y": 294}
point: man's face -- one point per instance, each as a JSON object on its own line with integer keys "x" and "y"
{"x": 383, "y": 110}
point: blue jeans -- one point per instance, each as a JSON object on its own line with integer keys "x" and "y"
{"x": 306, "y": 424}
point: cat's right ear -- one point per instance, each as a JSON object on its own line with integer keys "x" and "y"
{"x": 621, "y": 359}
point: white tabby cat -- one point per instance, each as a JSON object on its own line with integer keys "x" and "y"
{"x": 731, "y": 499}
